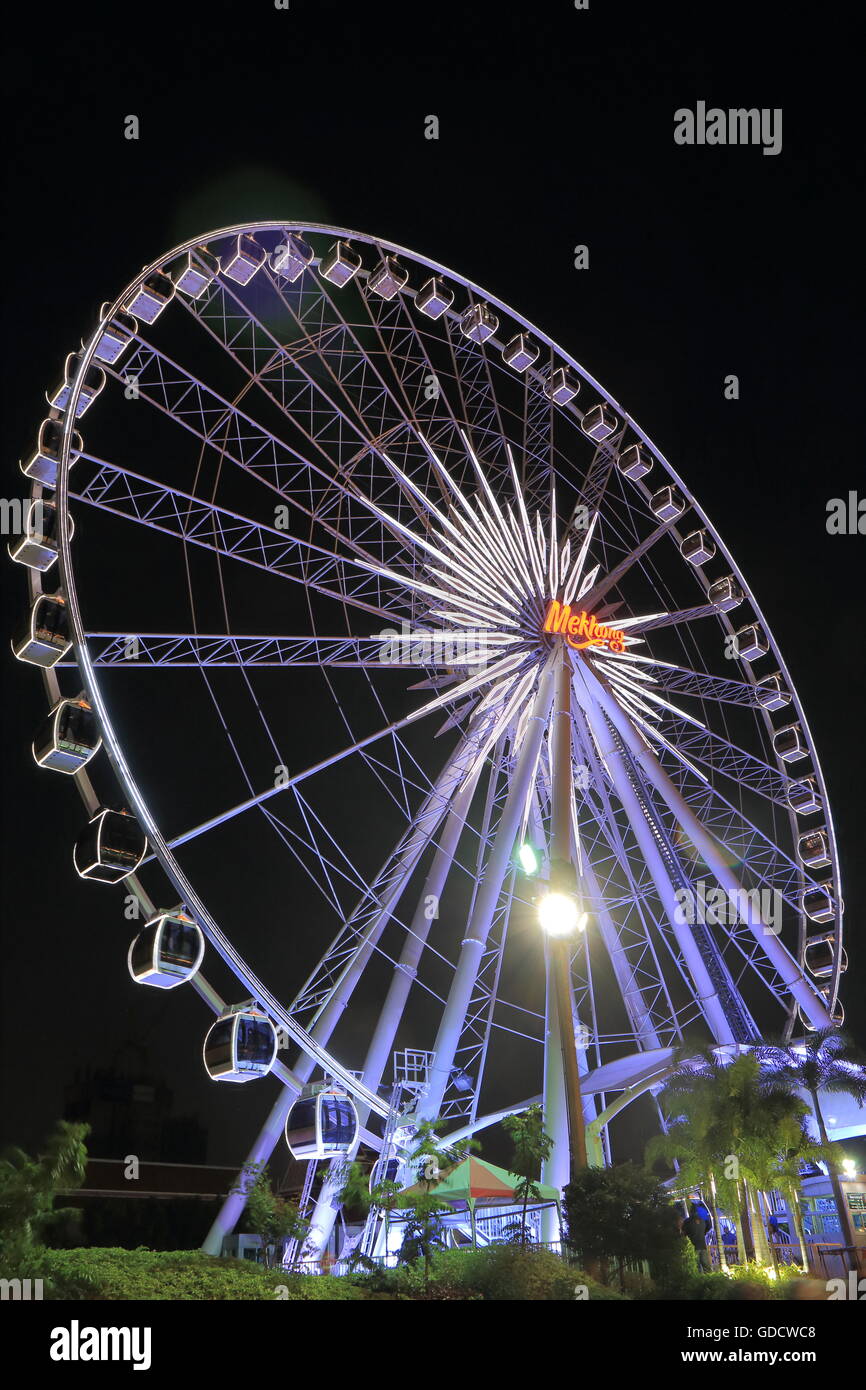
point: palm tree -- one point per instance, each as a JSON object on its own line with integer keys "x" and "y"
{"x": 777, "y": 1145}
{"x": 827, "y": 1061}
{"x": 692, "y": 1139}
{"x": 732, "y": 1126}
{"x": 737, "y": 1102}
{"x": 799, "y": 1149}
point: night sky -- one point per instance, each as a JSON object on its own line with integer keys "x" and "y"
{"x": 556, "y": 129}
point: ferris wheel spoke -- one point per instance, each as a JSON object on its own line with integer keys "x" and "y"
{"x": 618, "y": 858}
{"x": 289, "y": 781}
{"x": 285, "y": 379}
{"x": 354, "y": 942}
{"x": 741, "y": 938}
{"x": 706, "y": 845}
{"x": 593, "y": 489}
{"x": 680, "y": 616}
{"x": 393, "y": 324}
{"x": 228, "y": 534}
{"x": 742, "y": 840}
{"x": 335, "y": 867}
{"x": 470, "y": 371}
{"x": 472, "y": 381}
{"x": 222, "y": 425}
{"x": 592, "y": 598}
{"x": 391, "y": 650}
{"x": 237, "y": 436}
{"x": 629, "y": 946}
{"x": 361, "y": 362}
{"x": 721, "y": 756}
{"x": 683, "y": 680}
{"x": 724, "y": 1011}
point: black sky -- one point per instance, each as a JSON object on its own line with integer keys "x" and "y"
{"x": 556, "y": 129}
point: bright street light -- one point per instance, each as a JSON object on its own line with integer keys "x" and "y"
{"x": 559, "y": 914}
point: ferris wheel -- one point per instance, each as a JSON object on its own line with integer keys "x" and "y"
{"x": 358, "y": 514}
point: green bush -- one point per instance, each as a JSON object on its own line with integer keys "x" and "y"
{"x": 741, "y": 1282}
{"x": 499, "y": 1272}
{"x": 117, "y": 1274}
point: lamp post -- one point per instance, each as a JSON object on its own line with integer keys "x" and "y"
{"x": 559, "y": 911}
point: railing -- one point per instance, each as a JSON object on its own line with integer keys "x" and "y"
{"x": 781, "y": 1254}
{"x": 835, "y": 1261}
{"x": 824, "y": 1261}
{"x": 328, "y": 1265}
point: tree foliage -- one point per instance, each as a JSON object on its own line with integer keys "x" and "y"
{"x": 621, "y": 1215}
{"x": 274, "y": 1219}
{"x": 423, "y": 1232}
{"x": 531, "y": 1147}
{"x": 29, "y": 1188}
{"x": 825, "y": 1061}
{"x": 735, "y": 1129}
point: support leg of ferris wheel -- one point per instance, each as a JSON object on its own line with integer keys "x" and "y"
{"x": 705, "y": 844}
{"x": 382, "y": 1042}
{"x": 704, "y": 987}
{"x": 478, "y": 928}
{"x": 414, "y": 842}
{"x": 406, "y": 969}
{"x": 637, "y": 1005}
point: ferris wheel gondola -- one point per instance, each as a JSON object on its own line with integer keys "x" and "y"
{"x": 41, "y": 466}
{"x": 110, "y": 847}
{"x": 88, "y": 383}
{"x": 240, "y": 1047}
{"x": 384, "y": 1170}
{"x": 322, "y": 1125}
{"x": 167, "y": 952}
{"x": 36, "y": 545}
{"x": 68, "y": 738}
{"x": 44, "y": 636}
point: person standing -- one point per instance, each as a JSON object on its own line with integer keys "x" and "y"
{"x": 696, "y": 1226}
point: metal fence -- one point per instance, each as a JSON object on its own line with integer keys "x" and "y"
{"x": 328, "y": 1265}
{"x": 825, "y": 1261}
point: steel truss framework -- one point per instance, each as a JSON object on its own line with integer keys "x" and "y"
{"x": 415, "y": 488}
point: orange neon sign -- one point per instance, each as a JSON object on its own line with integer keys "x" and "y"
{"x": 560, "y": 619}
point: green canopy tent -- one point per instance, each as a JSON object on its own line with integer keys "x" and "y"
{"x": 475, "y": 1182}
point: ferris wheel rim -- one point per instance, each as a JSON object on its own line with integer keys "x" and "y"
{"x": 67, "y": 573}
